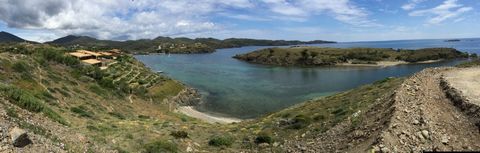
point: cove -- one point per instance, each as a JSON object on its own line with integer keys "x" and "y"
{"x": 242, "y": 90}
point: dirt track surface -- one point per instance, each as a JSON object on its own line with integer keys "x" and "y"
{"x": 466, "y": 80}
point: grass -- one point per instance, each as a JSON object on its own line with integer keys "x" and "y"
{"x": 166, "y": 89}
{"x": 161, "y": 147}
{"x": 82, "y": 111}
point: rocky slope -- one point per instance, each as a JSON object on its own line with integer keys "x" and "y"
{"x": 418, "y": 116}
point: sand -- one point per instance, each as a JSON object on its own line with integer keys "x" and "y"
{"x": 387, "y": 63}
{"x": 192, "y": 112}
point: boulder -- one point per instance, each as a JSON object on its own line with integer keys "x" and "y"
{"x": 19, "y": 137}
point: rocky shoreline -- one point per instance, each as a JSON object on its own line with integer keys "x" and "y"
{"x": 189, "y": 98}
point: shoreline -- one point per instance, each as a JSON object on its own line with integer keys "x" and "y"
{"x": 389, "y": 63}
{"x": 192, "y": 112}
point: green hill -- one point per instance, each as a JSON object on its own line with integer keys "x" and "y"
{"x": 169, "y": 45}
{"x": 6, "y": 37}
{"x": 316, "y": 56}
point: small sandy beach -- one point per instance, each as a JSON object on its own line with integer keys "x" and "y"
{"x": 192, "y": 112}
{"x": 387, "y": 63}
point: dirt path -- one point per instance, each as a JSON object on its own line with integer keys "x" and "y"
{"x": 425, "y": 119}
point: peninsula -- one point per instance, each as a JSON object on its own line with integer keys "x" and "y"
{"x": 169, "y": 45}
{"x": 316, "y": 56}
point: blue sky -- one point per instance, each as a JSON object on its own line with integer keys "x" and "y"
{"x": 338, "y": 20}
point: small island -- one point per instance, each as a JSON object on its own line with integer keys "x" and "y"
{"x": 317, "y": 56}
{"x": 453, "y": 40}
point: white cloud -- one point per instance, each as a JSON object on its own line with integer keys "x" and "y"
{"x": 412, "y": 4}
{"x": 127, "y": 19}
{"x": 449, "y": 9}
{"x": 341, "y": 10}
{"x": 108, "y": 19}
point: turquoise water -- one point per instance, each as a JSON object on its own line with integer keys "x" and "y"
{"x": 235, "y": 88}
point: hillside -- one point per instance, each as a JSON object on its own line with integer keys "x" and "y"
{"x": 66, "y": 107}
{"x": 316, "y": 56}
{"x": 6, "y": 37}
{"x": 170, "y": 45}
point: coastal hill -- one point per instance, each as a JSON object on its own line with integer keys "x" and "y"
{"x": 49, "y": 101}
{"x": 6, "y": 37}
{"x": 170, "y": 45}
{"x": 316, "y": 56}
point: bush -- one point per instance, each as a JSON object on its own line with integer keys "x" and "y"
{"x": 219, "y": 141}
{"x": 160, "y": 147}
{"x": 179, "y": 134}
{"x": 263, "y": 137}
{"x": 21, "y": 67}
{"x": 299, "y": 122}
{"x": 26, "y": 100}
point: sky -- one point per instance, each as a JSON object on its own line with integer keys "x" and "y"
{"x": 336, "y": 20}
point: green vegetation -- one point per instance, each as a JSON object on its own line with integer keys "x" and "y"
{"x": 179, "y": 134}
{"x": 161, "y": 147}
{"x": 170, "y": 45}
{"x": 315, "y": 56}
{"x": 26, "y": 100}
{"x": 220, "y": 141}
{"x": 264, "y": 137}
{"x": 473, "y": 63}
{"x": 82, "y": 111}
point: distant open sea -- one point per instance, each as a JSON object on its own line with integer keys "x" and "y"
{"x": 234, "y": 88}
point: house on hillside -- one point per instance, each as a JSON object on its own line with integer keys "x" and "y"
{"x": 93, "y": 62}
{"x": 115, "y": 52}
{"x": 95, "y": 54}
{"x": 81, "y": 56}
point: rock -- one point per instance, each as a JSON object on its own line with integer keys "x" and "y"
{"x": 385, "y": 150}
{"x": 189, "y": 149}
{"x": 416, "y": 122}
{"x": 376, "y": 149}
{"x": 425, "y": 134}
{"x": 444, "y": 140}
{"x": 263, "y": 145}
{"x": 420, "y": 136}
{"x": 19, "y": 137}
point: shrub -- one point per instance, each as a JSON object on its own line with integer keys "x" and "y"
{"x": 26, "y": 100}
{"x": 219, "y": 141}
{"x": 160, "y": 147}
{"x": 21, "y": 67}
{"x": 299, "y": 122}
{"x": 143, "y": 117}
{"x": 179, "y": 134}
{"x": 263, "y": 137}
